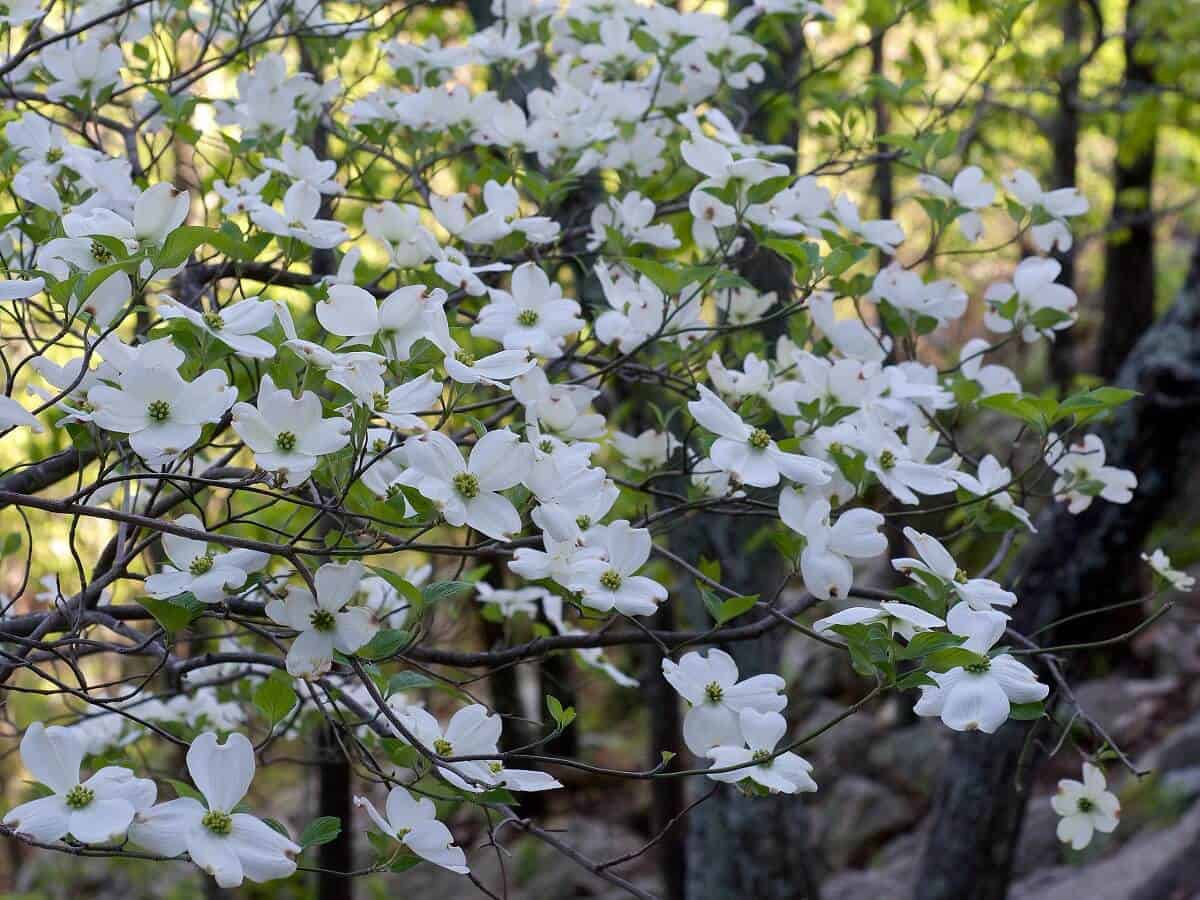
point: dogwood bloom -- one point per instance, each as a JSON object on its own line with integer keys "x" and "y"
{"x": 236, "y": 325}
{"x": 95, "y": 811}
{"x": 979, "y": 697}
{"x": 413, "y": 822}
{"x": 467, "y": 493}
{"x": 935, "y": 560}
{"x": 648, "y": 451}
{"x": 162, "y": 414}
{"x": 208, "y": 576}
{"x": 405, "y": 316}
{"x": 301, "y": 207}
{"x": 1085, "y": 807}
{"x": 288, "y": 434}
{"x": 992, "y": 480}
{"x": 399, "y": 229}
{"x": 227, "y": 844}
{"x": 902, "y": 619}
{"x": 325, "y": 623}
{"x": 1032, "y": 302}
{"x": 1059, "y": 204}
{"x": 785, "y": 773}
{"x": 1083, "y": 476}
{"x": 533, "y": 315}
{"x": 612, "y": 582}
{"x": 493, "y": 369}
{"x": 825, "y": 561}
{"x": 709, "y": 683}
{"x": 749, "y": 453}
{"x": 991, "y": 378}
{"x": 1161, "y": 564}
{"x": 970, "y": 190}
{"x": 472, "y": 731}
{"x": 14, "y": 415}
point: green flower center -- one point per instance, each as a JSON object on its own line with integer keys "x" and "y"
{"x": 495, "y": 767}
{"x": 467, "y": 485}
{"x": 285, "y": 441}
{"x": 79, "y": 796}
{"x": 393, "y": 490}
{"x": 527, "y": 317}
{"x": 546, "y": 445}
{"x": 380, "y": 403}
{"x": 584, "y": 522}
{"x": 201, "y": 564}
{"x": 402, "y": 833}
{"x": 887, "y": 460}
{"x": 714, "y": 692}
{"x": 218, "y": 822}
{"x": 978, "y": 668}
{"x": 760, "y": 439}
{"x": 158, "y": 410}
{"x": 466, "y": 357}
{"x": 960, "y": 576}
{"x": 1086, "y": 805}
{"x": 611, "y": 580}
{"x": 322, "y": 620}
{"x": 214, "y": 321}
{"x": 101, "y": 254}
{"x": 762, "y": 757}
{"x": 54, "y": 154}
{"x": 379, "y": 445}
{"x": 443, "y": 747}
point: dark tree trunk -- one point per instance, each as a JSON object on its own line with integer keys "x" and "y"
{"x": 1066, "y": 158}
{"x": 668, "y": 795}
{"x": 1129, "y": 253}
{"x": 1069, "y": 568}
{"x": 334, "y": 794}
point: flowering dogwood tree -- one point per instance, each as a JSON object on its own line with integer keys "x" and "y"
{"x": 325, "y": 345}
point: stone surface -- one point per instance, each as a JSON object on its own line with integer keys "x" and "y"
{"x": 1129, "y": 873}
{"x": 858, "y": 815}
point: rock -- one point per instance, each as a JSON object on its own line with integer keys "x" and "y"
{"x": 1125, "y": 707}
{"x": 1179, "y": 750}
{"x": 1038, "y": 845}
{"x": 859, "y": 814}
{"x": 842, "y": 746}
{"x": 1136, "y": 871}
{"x": 856, "y": 884}
{"x": 910, "y": 758}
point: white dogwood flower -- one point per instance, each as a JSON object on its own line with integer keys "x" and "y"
{"x": 785, "y": 773}
{"x": 1085, "y": 807}
{"x": 94, "y": 811}
{"x": 413, "y": 822}
{"x": 325, "y": 623}
{"x": 195, "y": 568}
{"x": 228, "y": 844}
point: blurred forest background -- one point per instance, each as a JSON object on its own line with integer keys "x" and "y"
{"x": 1103, "y": 94}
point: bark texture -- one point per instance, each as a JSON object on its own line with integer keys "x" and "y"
{"x": 1069, "y": 568}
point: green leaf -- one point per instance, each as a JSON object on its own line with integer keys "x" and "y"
{"x": 407, "y": 681}
{"x": 183, "y": 789}
{"x": 445, "y": 590}
{"x": 320, "y": 831}
{"x": 951, "y": 658}
{"x": 562, "y": 717}
{"x": 913, "y": 679}
{"x": 1020, "y": 406}
{"x": 669, "y": 280}
{"x": 928, "y": 642}
{"x": 732, "y": 607}
{"x": 12, "y": 543}
{"x": 174, "y": 614}
{"x": 274, "y": 697}
{"x": 386, "y": 644}
{"x": 1025, "y": 712}
{"x": 406, "y": 589}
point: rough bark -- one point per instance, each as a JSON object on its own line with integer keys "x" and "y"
{"x": 1069, "y": 568}
{"x": 1066, "y": 159}
{"x": 1129, "y": 253}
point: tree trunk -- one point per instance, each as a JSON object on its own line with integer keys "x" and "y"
{"x": 1066, "y": 158}
{"x": 1129, "y": 253}
{"x": 1069, "y": 568}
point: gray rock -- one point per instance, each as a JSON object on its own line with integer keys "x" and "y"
{"x": 859, "y": 814}
{"x": 1131, "y": 873}
{"x": 1038, "y": 846}
{"x": 1179, "y": 750}
{"x": 910, "y": 758}
{"x": 1125, "y": 707}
